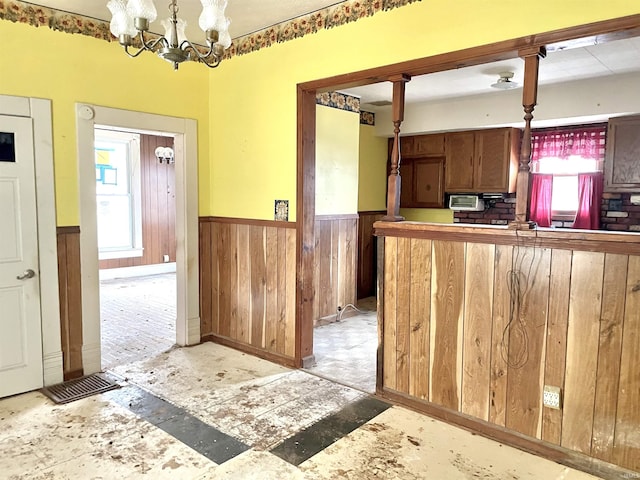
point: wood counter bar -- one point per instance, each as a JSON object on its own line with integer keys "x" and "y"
{"x": 475, "y": 321}
{"x": 583, "y": 240}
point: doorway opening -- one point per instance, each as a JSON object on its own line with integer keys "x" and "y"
{"x": 345, "y": 333}
{"x": 183, "y": 132}
{"x": 135, "y": 200}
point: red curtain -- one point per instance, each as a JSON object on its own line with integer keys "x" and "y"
{"x": 587, "y": 142}
{"x": 589, "y": 195}
{"x": 540, "y": 209}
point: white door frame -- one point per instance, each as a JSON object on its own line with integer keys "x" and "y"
{"x": 39, "y": 110}
{"x": 185, "y": 133}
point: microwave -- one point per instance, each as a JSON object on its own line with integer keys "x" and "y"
{"x": 472, "y": 203}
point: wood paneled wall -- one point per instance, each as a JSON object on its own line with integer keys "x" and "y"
{"x": 366, "y": 272}
{"x": 335, "y": 263}
{"x": 158, "y": 207}
{"x": 70, "y": 300}
{"x": 248, "y": 285}
{"x": 480, "y": 328}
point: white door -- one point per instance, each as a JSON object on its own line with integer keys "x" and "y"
{"x": 20, "y": 322}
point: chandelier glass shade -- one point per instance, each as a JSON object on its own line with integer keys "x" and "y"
{"x": 132, "y": 18}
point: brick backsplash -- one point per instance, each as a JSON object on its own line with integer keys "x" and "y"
{"x": 618, "y": 213}
{"x": 498, "y": 212}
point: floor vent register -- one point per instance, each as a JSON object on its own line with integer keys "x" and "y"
{"x": 79, "y": 388}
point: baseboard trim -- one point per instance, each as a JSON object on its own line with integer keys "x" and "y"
{"x": 91, "y": 358}
{"x": 308, "y": 362}
{"x": 251, "y": 350}
{"x": 139, "y": 271}
{"x": 52, "y": 368}
{"x": 73, "y": 374}
{"x": 543, "y": 449}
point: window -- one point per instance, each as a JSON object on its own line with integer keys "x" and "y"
{"x": 567, "y": 166}
{"x": 564, "y": 199}
{"x": 117, "y": 158}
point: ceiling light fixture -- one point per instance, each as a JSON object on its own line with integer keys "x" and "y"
{"x": 133, "y": 18}
{"x": 504, "y": 82}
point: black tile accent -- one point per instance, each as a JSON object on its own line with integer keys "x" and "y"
{"x": 201, "y": 437}
{"x": 315, "y": 438}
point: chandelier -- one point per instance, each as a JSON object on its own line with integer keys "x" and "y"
{"x": 130, "y": 19}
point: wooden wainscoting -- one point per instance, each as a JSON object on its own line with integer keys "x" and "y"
{"x": 480, "y": 328}
{"x": 335, "y": 263}
{"x": 366, "y": 271}
{"x": 70, "y": 300}
{"x": 248, "y": 285}
{"x": 158, "y": 199}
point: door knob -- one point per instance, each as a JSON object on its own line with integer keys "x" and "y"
{"x": 27, "y": 274}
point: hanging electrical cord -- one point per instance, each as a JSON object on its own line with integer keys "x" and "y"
{"x": 342, "y": 309}
{"x": 519, "y": 285}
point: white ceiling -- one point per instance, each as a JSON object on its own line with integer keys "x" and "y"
{"x": 622, "y": 56}
{"x": 246, "y": 16}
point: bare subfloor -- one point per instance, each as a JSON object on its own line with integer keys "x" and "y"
{"x": 137, "y": 318}
{"x": 209, "y": 412}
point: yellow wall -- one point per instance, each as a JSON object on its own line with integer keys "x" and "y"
{"x": 337, "y": 142}
{"x": 38, "y": 62}
{"x": 433, "y": 215}
{"x": 372, "y": 184}
{"x": 253, "y": 100}
{"x": 246, "y": 109}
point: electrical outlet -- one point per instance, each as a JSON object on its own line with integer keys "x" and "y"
{"x": 165, "y": 258}
{"x": 551, "y": 397}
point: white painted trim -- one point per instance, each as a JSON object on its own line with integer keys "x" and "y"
{"x": 139, "y": 271}
{"x": 186, "y": 144}
{"x": 47, "y": 241}
{"x": 16, "y": 106}
{"x": 40, "y": 112}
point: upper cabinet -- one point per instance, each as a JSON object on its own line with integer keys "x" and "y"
{"x": 422, "y": 171}
{"x": 482, "y": 161}
{"x": 422, "y": 145}
{"x": 622, "y": 163}
{"x": 477, "y": 161}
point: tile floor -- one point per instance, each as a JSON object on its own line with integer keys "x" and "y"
{"x": 138, "y": 318}
{"x": 345, "y": 351}
{"x": 209, "y": 412}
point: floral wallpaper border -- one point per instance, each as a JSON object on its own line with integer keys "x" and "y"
{"x": 367, "y": 118}
{"x": 338, "y": 100}
{"x": 340, "y": 14}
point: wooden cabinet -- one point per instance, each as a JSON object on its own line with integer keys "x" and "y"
{"x": 421, "y": 170}
{"x": 428, "y": 179}
{"x": 482, "y": 161}
{"x": 422, "y": 183}
{"x": 422, "y": 145}
{"x": 622, "y": 163}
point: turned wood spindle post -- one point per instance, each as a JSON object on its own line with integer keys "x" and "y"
{"x": 394, "y": 183}
{"x": 531, "y": 59}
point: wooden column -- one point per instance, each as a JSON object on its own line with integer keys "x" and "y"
{"x": 531, "y": 57}
{"x": 393, "y": 186}
{"x": 305, "y": 224}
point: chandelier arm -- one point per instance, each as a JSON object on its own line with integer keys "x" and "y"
{"x": 150, "y": 46}
{"x": 133, "y": 55}
{"x": 186, "y": 44}
{"x": 153, "y": 44}
{"x": 212, "y": 65}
